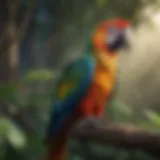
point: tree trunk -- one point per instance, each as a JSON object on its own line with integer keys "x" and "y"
{"x": 8, "y": 45}
{"x": 4, "y": 43}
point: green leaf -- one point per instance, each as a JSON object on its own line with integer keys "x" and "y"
{"x": 121, "y": 108}
{"x": 39, "y": 75}
{"x": 12, "y": 133}
{"x": 153, "y": 117}
{"x": 16, "y": 137}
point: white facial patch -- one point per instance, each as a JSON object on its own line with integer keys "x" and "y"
{"x": 112, "y": 35}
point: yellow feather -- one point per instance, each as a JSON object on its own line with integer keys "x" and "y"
{"x": 64, "y": 89}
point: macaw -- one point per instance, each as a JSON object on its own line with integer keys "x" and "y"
{"x": 86, "y": 85}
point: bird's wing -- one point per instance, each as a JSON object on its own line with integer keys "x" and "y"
{"x": 70, "y": 88}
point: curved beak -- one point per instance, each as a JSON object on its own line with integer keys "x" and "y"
{"x": 120, "y": 41}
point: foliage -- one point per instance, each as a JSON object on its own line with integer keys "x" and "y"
{"x": 12, "y": 133}
{"x": 39, "y": 75}
{"x": 35, "y": 101}
{"x": 153, "y": 117}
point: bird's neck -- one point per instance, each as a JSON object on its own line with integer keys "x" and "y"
{"x": 107, "y": 62}
{"x": 102, "y": 57}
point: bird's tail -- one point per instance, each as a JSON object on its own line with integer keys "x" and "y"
{"x": 57, "y": 149}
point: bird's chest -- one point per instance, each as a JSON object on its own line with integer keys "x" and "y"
{"x": 104, "y": 77}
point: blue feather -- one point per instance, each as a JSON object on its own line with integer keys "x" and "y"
{"x": 81, "y": 73}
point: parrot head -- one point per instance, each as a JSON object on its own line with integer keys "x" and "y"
{"x": 111, "y": 36}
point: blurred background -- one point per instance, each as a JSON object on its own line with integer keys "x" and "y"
{"x": 39, "y": 37}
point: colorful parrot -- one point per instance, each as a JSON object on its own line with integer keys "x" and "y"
{"x": 86, "y": 85}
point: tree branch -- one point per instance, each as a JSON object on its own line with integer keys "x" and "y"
{"x": 121, "y": 135}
